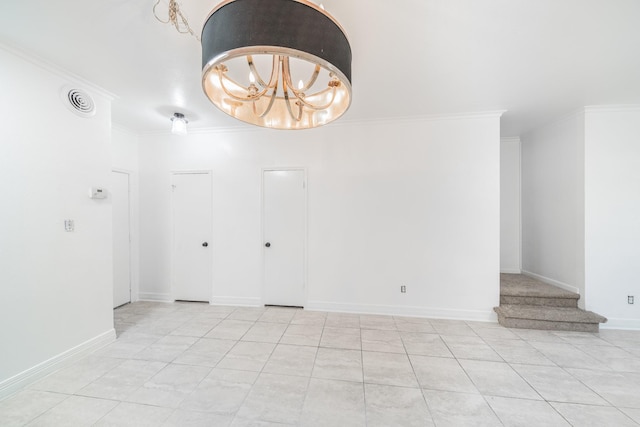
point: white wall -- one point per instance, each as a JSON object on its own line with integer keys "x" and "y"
{"x": 390, "y": 203}
{"x": 612, "y": 209}
{"x": 553, "y": 203}
{"x": 124, "y": 158}
{"x": 510, "y": 205}
{"x": 56, "y": 286}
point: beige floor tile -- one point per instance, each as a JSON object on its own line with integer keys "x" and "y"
{"x": 75, "y": 411}
{"x": 425, "y": 344}
{"x": 26, "y": 405}
{"x": 182, "y": 418}
{"x": 230, "y": 329}
{"x": 275, "y": 398}
{"x": 338, "y": 364}
{"x": 291, "y": 360}
{"x": 460, "y": 409}
{"x": 400, "y": 406}
{"x": 555, "y": 384}
{"x": 170, "y": 386}
{"x": 71, "y": 379}
{"x": 205, "y": 352}
{"x": 437, "y": 373}
{"x": 468, "y": 347}
{"x": 123, "y": 380}
{"x": 222, "y": 392}
{"x": 332, "y": 403}
{"x": 525, "y": 413}
{"x": 497, "y": 379}
{"x": 247, "y": 356}
{"x": 388, "y": 369}
{"x": 345, "y": 338}
{"x": 302, "y": 334}
{"x": 381, "y": 340}
{"x": 593, "y": 416}
{"x": 265, "y": 332}
{"x": 134, "y": 415}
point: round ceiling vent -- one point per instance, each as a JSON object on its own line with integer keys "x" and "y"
{"x": 78, "y": 101}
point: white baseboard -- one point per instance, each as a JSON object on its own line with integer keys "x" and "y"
{"x": 629, "y": 324}
{"x": 549, "y": 281}
{"x": 397, "y": 310}
{"x": 31, "y": 375}
{"x": 511, "y": 271}
{"x": 237, "y": 301}
{"x": 152, "y": 296}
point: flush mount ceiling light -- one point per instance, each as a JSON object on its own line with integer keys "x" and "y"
{"x": 179, "y": 124}
{"x": 281, "y": 64}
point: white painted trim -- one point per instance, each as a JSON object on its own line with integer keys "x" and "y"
{"x": 31, "y": 375}
{"x": 121, "y": 128}
{"x": 237, "y": 301}
{"x": 510, "y": 271}
{"x": 341, "y": 123}
{"x": 628, "y": 324}
{"x": 55, "y": 69}
{"x": 553, "y": 282}
{"x": 398, "y": 310}
{"x": 612, "y": 108}
{"x": 153, "y": 296}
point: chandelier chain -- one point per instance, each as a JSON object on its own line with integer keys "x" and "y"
{"x": 176, "y": 18}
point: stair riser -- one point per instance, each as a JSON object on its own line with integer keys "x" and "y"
{"x": 511, "y": 322}
{"x": 548, "y": 302}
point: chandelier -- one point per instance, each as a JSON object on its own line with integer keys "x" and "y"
{"x": 281, "y": 64}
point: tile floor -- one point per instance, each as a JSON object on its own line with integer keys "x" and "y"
{"x": 189, "y": 364}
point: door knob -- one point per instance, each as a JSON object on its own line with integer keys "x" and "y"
{"x": 268, "y": 245}
{"x": 205, "y": 244}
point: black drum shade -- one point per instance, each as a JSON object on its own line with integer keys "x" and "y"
{"x": 255, "y": 51}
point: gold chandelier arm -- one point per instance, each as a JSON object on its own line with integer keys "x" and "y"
{"x": 254, "y": 71}
{"x": 222, "y": 77}
{"x": 156, "y": 13}
{"x": 312, "y": 80}
{"x": 286, "y": 93}
{"x": 176, "y": 18}
{"x": 286, "y": 74}
{"x": 271, "y": 102}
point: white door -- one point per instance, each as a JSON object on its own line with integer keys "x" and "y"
{"x": 121, "y": 238}
{"x": 192, "y": 268}
{"x": 284, "y": 213}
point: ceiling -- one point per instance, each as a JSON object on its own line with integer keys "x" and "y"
{"x": 536, "y": 59}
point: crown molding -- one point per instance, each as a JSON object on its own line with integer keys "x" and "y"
{"x": 340, "y": 123}
{"x": 55, "y": 69}
{"x": 622, "y": 108}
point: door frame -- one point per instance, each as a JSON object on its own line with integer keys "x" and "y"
{"x": 133, "y": 233}
{"x": 305, "y": 278}
{"x": 172, "y": 222}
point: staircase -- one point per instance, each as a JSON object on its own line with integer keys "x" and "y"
{"x": 527, "y": 303}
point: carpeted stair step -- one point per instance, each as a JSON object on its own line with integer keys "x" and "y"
{"x": 548, "y": 318}
{"x": 519, "y": 289}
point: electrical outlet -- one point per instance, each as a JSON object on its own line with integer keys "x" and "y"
{"x": 403, "y": 289}
{"x": 69, "y": 225}
{"x": 630, "y": 299}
